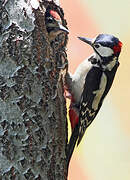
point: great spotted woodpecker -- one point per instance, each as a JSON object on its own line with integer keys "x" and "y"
{"x": 90, "y": 84}
{"x": 54, "y": 24}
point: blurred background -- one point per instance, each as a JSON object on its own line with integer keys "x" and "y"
{"x": 104, "y": 153}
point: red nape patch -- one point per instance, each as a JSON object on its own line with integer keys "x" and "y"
{"x": 74, "y": 117}
{"x": 117, "y": 48}
{"x": 55, "y": 14}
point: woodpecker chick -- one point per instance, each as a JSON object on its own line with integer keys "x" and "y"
{"x": 54, "y": 24}
{"x": 90, "y": 84}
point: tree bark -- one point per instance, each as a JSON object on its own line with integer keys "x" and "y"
{"x": 33, "y": 124}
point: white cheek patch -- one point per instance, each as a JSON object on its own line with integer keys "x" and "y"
{"x": 105, "y": 51}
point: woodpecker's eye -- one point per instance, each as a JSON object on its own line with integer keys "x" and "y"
{"x": 96, "y": 45}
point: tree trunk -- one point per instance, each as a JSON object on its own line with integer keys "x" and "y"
{"x": 33, "y": 124}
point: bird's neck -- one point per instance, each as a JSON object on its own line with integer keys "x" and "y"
{"x": 106, "y": 63}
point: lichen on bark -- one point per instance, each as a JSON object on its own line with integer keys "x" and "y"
{"x": 33, "y": 124}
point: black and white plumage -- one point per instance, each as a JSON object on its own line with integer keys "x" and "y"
{"x": 91, "y": 82}
{"x": 97, "y": 84}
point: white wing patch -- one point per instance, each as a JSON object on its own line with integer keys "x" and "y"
{"x": 99, "y": 92}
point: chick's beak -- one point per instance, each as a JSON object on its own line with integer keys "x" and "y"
{"x": 61, "y": 27}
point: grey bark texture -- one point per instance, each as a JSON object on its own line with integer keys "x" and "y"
{"x": 33, "y": 124}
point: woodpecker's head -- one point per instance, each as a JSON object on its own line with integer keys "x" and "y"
{"x": 104, "y": 45}
{"x": 54, "y": 24}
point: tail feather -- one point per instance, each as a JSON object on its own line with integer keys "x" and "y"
{"x": 80, "y": 136}
{"x": 72, "y": 143}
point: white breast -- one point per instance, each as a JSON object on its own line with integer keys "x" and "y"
{"x": 78, "y": 79}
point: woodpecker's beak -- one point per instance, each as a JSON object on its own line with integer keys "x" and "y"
{"x": 86, "y": 40}
{"x": 62, "y": 28}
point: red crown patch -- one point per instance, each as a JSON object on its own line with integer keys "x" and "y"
{"x": 55, "y": 15}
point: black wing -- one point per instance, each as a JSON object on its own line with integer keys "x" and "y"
{"x": 97, "y": 85}
{"x": 87, "y": 112}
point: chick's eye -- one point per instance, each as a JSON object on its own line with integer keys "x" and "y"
{"x": 96, "y": 45}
